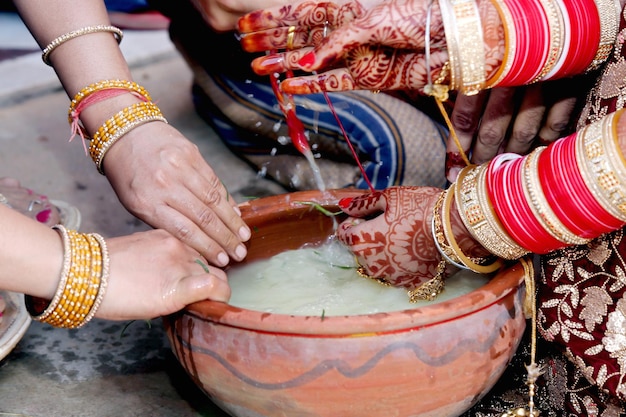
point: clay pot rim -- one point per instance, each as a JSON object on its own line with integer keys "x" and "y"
{"x": 504, "y": 284}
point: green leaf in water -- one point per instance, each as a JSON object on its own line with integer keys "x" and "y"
{"x": 319, "y": 208}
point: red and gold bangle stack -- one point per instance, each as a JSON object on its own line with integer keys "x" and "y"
{"x": 561, "y": 195}
{"x": 479, "y": 217}
{"x": 603, "y": 166}
{"x": 548, "y": 39}
{"x": 561, "y": 178}
{"x": 464, "y": 38}
{"x": 120, "y": 124}
{"x": 82, "y": 284}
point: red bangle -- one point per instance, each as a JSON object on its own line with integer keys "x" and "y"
{"x": 505, "y": 188}
{"x": 532, "y": 32}
{"x": 568, "y": 195}
{"x": 582, "y": 23}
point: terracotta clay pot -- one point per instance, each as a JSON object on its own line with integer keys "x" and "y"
{"x": 437, "y": 360}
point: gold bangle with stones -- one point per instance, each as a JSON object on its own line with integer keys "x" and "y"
{"x": 609, "y": 12}
{"x": 464, "y": 37}
{"x": 429, "y": 290}
{"x": 539, "y": 205}
{"x": 45, "y": 56}
{"x": 481, "y": 266}
{"x": 476, "y": 212}
{"x": 131, "y": 86}
{"x": 556, "y": 24}
{"x": 126, "y": 119}
{"x": 596, "y": 151}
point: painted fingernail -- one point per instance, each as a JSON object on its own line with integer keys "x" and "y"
{"x": 43, "y": 216}
{"x": 307, "y": 60}
{"x": 345, "y": 202}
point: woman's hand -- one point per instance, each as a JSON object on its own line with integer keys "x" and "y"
{"x": 378, "y": 45}
{"x": 153, "y": 274}
{"x": 222, "y": 15}
{"x": 372, "y": 46}
{"x": 162, "y": 178}
{"x": 390, "y": 234}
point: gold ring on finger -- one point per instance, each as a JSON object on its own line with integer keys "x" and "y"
{"x": 290, "y": 35}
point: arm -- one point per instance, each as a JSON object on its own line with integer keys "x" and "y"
{"x": 580, "y": 205}
{"x": 156, "y": 172}
{"x": 151, "y": 273}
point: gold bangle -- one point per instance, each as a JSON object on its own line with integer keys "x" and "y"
{"x": 609, "y": 12}
{"x": 596, "y": 148}
{"x": 480, "y": 268}
{"x": 45, "y": 56}
{"x": 103, "y": 278}
{"x": 510, "y": 43}
{"x": 439, "y": 236}
{"x": 464, "y": 38}
{"x": 82, "y": 283}
{"x": 478, "y": 216}
{"x": 64, "y": 315}
{"x": 120, "y": 124}
{"x": 533, "y": 191}
{"x": 429, "y": 290}
{"x": 121, "y": 132}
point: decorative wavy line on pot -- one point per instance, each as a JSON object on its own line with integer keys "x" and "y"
{"x": 348, "y": 371}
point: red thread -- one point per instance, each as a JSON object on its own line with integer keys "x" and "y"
{"x": 296, "y": 128}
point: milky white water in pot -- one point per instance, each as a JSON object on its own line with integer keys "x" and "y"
{"x": 322, "y": 281}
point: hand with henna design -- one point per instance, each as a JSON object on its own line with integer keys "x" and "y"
{"x": 379, "y": 48}
{"x": 396, "y": 241}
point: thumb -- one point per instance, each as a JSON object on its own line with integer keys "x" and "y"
{"x": 196, "y": 288}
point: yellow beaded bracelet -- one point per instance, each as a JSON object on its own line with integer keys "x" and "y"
{"x": 120, "y": 124}
{"x": 82, "y": 284}
{"x": 131, "y": 86}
